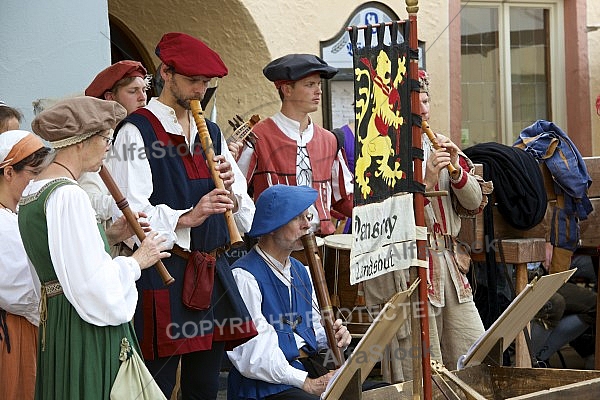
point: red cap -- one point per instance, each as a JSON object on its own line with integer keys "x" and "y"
{"x": 423, "y": 81}
{"x": 189, "y": 56}
{"x": 108, "y": 77}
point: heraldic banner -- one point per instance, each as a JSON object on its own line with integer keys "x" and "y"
{"x": 384, "y": 230}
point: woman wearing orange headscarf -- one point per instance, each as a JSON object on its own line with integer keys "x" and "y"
{"x": 22, "y": 156}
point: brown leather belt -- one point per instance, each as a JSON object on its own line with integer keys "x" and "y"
{"x": 216, "y": 253}
{"x": 440, "y": 242}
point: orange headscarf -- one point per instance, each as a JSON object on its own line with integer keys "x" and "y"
{"x": 17, "y": 145}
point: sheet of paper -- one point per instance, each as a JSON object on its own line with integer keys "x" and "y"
{"x": 513, "y": 320}
{"x": 371, "y": 347}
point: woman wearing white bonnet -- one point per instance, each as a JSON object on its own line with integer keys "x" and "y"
{"x": 22, "y": 156}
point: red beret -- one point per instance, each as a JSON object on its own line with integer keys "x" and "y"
{"x": 108, "y": 77}
{"x": 423, "y": 81}
{"x": 189, "y": 56}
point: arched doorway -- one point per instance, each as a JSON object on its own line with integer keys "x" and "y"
{"x": 124, "y": 45}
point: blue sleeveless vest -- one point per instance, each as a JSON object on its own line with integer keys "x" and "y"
{"x": 180, "y": 177}
{"x": 278, "y": 311}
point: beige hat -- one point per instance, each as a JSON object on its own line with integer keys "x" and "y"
{"x": 76, "y": 119}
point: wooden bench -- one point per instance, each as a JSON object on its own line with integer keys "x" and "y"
{"x": 524, "y": 246}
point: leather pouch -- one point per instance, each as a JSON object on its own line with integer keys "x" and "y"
{"x": 198, "y": 280}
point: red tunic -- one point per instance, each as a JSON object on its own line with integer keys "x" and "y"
{"x": 274, "y": 162}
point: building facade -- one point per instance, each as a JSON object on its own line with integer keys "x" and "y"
{"x": 495, "y": 66}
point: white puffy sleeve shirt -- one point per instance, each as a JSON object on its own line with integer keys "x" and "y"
{"x": 131, "y": 171}
{"x": 101, "y": 289}
{"x": 19, "y": 285}
{"x": 101, "y": 200}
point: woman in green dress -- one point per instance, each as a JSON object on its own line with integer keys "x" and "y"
{"x": 87, "y": 298}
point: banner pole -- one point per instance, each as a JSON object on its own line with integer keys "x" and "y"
{"x": 412, "y": 7}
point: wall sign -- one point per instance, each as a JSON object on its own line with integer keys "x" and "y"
{"x": 338, "y": 52}
{"x": 338, "y": 93}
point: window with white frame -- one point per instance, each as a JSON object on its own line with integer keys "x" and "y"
{"x": 510, "y": 68}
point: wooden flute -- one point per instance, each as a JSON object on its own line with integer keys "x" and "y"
{"x": 454, "y": 173}
{"x": 207, "y": 145}
{"x": 123, "y": 205}
{"x": 318, "y": 276}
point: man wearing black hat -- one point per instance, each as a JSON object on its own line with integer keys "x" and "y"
{"x": 279, "y": 294}
{"x": 159, "y": 166}
{"x": 294, "y": 150}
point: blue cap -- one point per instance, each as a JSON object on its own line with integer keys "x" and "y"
{"x": 278, "y": 205}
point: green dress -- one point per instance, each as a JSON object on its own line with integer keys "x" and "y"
{"x": 76, "y": 360}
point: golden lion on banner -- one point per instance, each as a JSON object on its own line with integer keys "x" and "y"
{"x": 385, "y": 103}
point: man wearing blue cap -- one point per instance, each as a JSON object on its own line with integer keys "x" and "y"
{"x": 296, "y": 151}
{"x": 279, "y": 294}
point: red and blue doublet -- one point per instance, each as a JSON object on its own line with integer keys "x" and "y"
{"x": 163, "y": 324}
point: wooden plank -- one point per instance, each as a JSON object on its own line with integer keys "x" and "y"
{"x": 472, "y": 228}
{"x": 472, "y": 231}
{"x": 478, "y": 378}
{"x": 506, "y": 383}
{"x": 509, "y": 382}
{"x": 522, "y": 355}
{"x": 398, "y": 391}
{"x": 515, "y": 251}
{"x": 579, "y": 390}
{"x": 593, "y": 166}
{"x": 546, "y": 376}
{"x": 469, "y": 392}
{"x": 590, "y": 234}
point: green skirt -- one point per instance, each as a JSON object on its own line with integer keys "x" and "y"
{"x": 80, "y": 360}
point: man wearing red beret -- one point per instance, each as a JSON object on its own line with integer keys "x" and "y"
{"x": 125, "y": 82}
{"x": 170, "y": 181}
{"x": 296, "y": 151}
